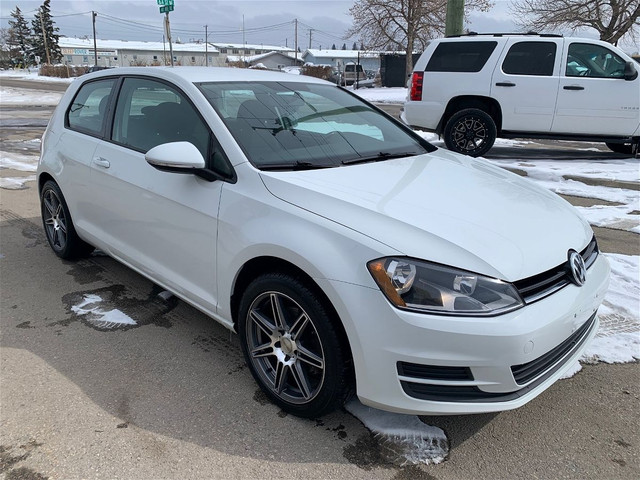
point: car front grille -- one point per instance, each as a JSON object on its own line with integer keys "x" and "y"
{"x": 539, "y": 286}
{"x": 528, "y": 371}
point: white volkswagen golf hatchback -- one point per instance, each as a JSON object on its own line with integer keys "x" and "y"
{"x": 346, "y": 252}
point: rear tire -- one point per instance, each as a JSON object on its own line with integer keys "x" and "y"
{"x": 58, "y": 226}
{"x": 623, "y": 148}
{"x": 470, "y": 132}
{"x": 291, "y": 346}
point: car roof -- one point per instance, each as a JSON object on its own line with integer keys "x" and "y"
{"x": 205, "y": 74}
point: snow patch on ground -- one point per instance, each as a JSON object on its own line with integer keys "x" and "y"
{"x": 618, "y": 339}
{"x": 18, "y": 161}
{"x": 405, "y": 439}
{"x": 382, "y": 94}
{"x": 19, "y": 96}
{"x": 575, "y": 368}
{"x": 32, "y": 75}
{"x": 108, "y": 319}
{"x": 16, "y": 183}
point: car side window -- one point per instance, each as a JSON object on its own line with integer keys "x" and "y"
{"x": 460, "y": 56}
{"x": 88, "y": 111}
{"x": 150, "y": 113}
{"x": 530, "y": 58}
{"x": 595, "y": 61}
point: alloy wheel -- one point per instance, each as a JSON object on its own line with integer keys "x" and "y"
{"x": 284, "y": 347}
{"x": 470, "y": 133}
{"x": 54, "y": 220}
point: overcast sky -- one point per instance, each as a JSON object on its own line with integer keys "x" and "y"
{"x": 265, "y": 21}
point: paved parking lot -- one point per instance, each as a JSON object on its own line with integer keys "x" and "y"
{"x": 171, "y": 398}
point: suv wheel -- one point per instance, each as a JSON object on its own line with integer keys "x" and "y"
{"x": 624, "y": 148}
{"x": 291, "y": 346}
{"x": 470, "y": 132}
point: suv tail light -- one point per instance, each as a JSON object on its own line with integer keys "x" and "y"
{"x": 416, "y": 86}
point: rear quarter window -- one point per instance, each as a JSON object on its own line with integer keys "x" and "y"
{"x": 88, "y": 111}
{"x": 460, "y": 56}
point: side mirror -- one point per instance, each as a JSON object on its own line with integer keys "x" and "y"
{"x": 175, "y": 156}
{"x": 630, "y": 72}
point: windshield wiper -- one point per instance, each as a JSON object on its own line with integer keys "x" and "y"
{"x": 293, "y": 166}
{"x": 380, "y": 156}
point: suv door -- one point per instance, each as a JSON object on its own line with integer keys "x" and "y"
{"x": 163, "y": 224}
{"x": 525, "y": 83}
{"x": 594, "y": 97}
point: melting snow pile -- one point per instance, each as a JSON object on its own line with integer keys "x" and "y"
{"x": 98, "y": 317}
{"x": 19, "y": 162}
{"x": 405, "y": 439}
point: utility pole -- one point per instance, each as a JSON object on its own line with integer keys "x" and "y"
{"x": 95, "y": 47}
{"x": 206, "y": 46}
{"x": 244, "y": 41}
{"x": 310, "y": 32}
{"x": 164, "y": 51}
{"x": 44, "y": 39}
{"x": 455, "y": 17}
{"x": 296, "y": 45}
{"x": 168, "y": 27}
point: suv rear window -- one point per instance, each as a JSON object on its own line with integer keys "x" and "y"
{"x": 530, "y": 58}
{"x": 460, "y": 56}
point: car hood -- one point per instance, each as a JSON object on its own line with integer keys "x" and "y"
{"x": 445, "y": 208}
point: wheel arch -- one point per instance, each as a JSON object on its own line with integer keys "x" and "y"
{"x": 257, "y": 266}
{"x": 486, "y": 104}
{"x": 44, "y": 178}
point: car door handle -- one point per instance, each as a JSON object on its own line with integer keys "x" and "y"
{"x": 505, "y": 84}
{"x": 101, "y": 162}
{"x": 573, "y": 87}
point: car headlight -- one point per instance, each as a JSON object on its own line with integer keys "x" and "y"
{"x": 428, "y": 287}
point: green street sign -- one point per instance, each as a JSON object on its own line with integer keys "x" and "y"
{"x": 165, "y": 2}
{"x": 166, "y": 9}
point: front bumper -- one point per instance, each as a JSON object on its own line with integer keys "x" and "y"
{"x": 434, "y": 365}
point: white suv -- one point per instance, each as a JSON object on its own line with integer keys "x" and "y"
{"x": 474, "y": 88}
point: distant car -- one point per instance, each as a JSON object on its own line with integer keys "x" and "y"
{"x": 348, "y": 253}
{"x": 474, "y": 88}
{"x": 96, "y": 68}
{"x": 353, "y": 72}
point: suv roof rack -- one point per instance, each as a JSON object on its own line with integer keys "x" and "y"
{"x": 473, "y": 34}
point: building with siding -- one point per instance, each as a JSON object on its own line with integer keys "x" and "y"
{"x": 123, "y": 53}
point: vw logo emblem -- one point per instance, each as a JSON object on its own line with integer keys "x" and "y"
{"x": 577, "y": 268}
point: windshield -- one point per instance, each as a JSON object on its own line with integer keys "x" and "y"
{"x": 297, "y": 125}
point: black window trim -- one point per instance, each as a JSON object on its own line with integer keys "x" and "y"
{"x": 99, "y": 135}
{"x": 107, "y": 129}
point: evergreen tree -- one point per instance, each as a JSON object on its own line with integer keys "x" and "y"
{"x": 46, "y": 47}
{"x": 333, "y": 47}
{"x": 344, "y": 46}
{"x": 19, "y": 37}
{"x": 355, "y": 46}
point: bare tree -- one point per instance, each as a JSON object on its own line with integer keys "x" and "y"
{"x": 612, "y": 19}
{"x": 404, "y": 25}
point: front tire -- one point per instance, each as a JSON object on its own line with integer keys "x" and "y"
{"x": 292, "y": 347}
{"x": 624, "y": 148}
{"x": 58, "y": 227}
{"x": 470, "y": 132}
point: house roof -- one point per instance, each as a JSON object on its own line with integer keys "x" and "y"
{"x": 255, "y": 58}
{"x": 341, "y": 53}
{"x": 68, "y": 42}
